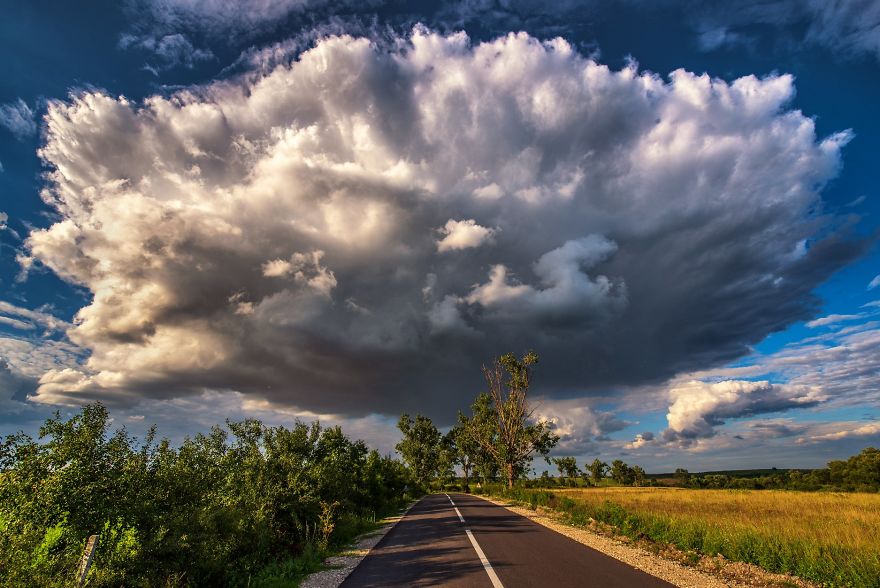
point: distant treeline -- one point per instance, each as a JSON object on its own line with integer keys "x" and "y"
{"x": 254, "y": 506}
{"x": 859, "y": 473}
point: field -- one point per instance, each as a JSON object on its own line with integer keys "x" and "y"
{"x": 831, "y": 538}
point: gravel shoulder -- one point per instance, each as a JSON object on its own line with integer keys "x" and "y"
{"x": 341, "y": 565}
{"x": 665, "y": 563}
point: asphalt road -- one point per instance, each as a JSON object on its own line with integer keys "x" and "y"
{"x": 431, "y": 546}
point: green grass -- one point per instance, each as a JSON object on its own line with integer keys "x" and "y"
{"x": 832, "y": 539}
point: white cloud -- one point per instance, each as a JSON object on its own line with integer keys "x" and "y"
{"x": 463, "y": 234}
{"x": 29, "y": 319}
{"x": 840, "y": 431}
{"x": 874, "y": 282}
{"x": 18, "y": 118}
{"x": 641, "y": 440}
{"x": 625, "y": 203}
{"x": 832, "y": 319}
{"x": 567, "y": 294}
{"x": 698, "y": 407}
{"x": 304, "y": 268}
{"x": 578, "y": 425}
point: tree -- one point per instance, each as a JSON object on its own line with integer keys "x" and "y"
{"x": 447, "y": 458}
{"x": 638, "y": 475}
{"x": 621, "y": 473}
{"x": 420, "y": 447}
{"x": 682, "y": 476}
{"x": 502, "y": 421}
{"x": 597, "y": 470}
{"x": 567, "y": 467}
{"x": 468, "y": 452}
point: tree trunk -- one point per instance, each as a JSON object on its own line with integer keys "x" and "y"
{"x": 466, "y": 468}
{"x": 510, "y": 476}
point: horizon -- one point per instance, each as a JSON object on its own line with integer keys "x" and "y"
{"x": 326, "y": 211}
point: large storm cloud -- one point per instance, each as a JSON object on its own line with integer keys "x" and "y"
{"x": 358, "y": 230}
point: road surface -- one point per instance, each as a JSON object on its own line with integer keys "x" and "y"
{"x": 490, "y": 547}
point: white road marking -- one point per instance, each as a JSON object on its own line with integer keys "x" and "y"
{"x": 493, "y": 577}
{"x": 496, "y": 582}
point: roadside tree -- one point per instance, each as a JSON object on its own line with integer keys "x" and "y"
{"x": 419, "y": 447}
{"x": 502, "y": 421}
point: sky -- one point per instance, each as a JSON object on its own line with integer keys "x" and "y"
{"x": 335, "y": 210}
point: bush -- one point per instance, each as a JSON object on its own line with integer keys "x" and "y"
{"x": 225, "y": 508}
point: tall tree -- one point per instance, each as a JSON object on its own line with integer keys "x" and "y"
{"x": 468, "y": 451}
{"x": 621, "y": 473}
{"x": 420, "y": 447}
{"x": 597, "y": 470}
{"x": 567, "y": 466}
{"x": 638, "y": 475}
{"x": 503, "y": 424}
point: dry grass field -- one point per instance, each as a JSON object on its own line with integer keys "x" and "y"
{"x": 830, "y": 538}
{"x": 835, "y": 519}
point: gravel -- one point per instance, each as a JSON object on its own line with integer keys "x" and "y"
{"x": 341, "y": 565}
{"x": 707, "y": 572}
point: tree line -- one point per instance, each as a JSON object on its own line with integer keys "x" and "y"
{"x": 858, "y": 473}
{"x": 251, "y": 506}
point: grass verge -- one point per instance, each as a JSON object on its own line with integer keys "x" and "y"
{"x": 807, "y": 535}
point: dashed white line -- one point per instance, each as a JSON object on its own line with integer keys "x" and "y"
{"x": 496, "y": 582}
{"x": 493, "y": 577}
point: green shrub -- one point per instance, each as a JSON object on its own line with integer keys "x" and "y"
{"x": 254, "y": 505}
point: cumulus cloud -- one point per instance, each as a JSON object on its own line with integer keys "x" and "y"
{"x": 463, "y": 235}
{"x": 19, "y": 119}
{"x": 579, "y": 426}
{"x": 641, "y": 440}
{"x": 698, "y": 407}
{"x": 304, "y": 268}
{"x": 566, "y": 296}
{"x": 223, "y": 230}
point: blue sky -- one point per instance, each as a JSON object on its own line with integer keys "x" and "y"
{"x": 329, "y": 210}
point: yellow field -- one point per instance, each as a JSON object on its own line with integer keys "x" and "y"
{"x": 830, "y": 538}
{"x": 835, "y": 519}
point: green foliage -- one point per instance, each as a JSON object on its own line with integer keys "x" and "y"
{"x": 597, "y": 469}
{"x": 622, "y": 473}
{"x": 222, "y": 509}
{"x": 420, "y": 448}
{"x": 502, "y": 422}
{"x": 567, "y": 466}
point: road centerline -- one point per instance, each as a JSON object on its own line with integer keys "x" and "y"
{"x": 458, "y": 512}
{"x": 493, "y": 577}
